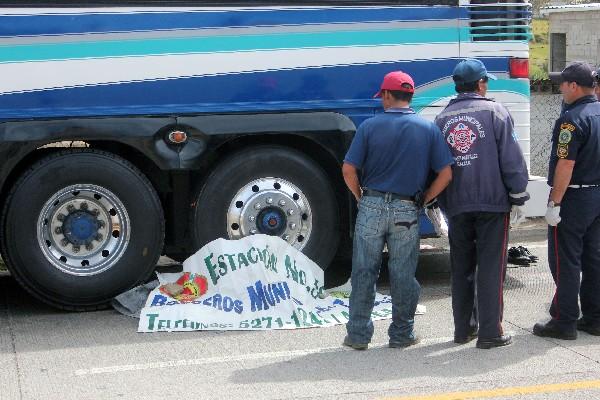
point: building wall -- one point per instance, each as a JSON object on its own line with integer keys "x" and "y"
{"x": 582, "y": 31}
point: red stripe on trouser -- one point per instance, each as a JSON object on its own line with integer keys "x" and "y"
{"x": 502, "y": 264}
{"x": 557, "y": 273}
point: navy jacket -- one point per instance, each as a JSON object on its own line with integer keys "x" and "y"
{"x": 576, "y": 136}
{"x": 490, "y": 173}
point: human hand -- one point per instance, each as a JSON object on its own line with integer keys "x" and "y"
{"x": 553, "y": 214}
{"x": 434, "y": 213}
{"x": 516, "y": 215}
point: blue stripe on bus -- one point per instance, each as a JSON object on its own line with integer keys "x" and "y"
{"x": 347, "y": 89}
{"x": 29, "y": 25}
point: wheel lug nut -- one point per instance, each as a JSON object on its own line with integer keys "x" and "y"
{"x": 257, "y": 206}
{"x": 64, "y": 242}
{"x": 269, "y": 201}
{"x": 292, "y": 226}
{"x": 101, "y": 224}
{"x": 286, "y": 237}
{"x": 95, "y": 211}
{"x": 252, "y": 231}
{"x": 84, "y": 206}
{"x": 99, "y": 237}
{"x": 89, "y": 246}
{"x": 60, "y": 217}
{"x": 75, "y": 249}
{"x": 251, "y": 218}
{"x": 290, "y": 212}
{"x": 282, "y": 202}
{"x": 70, "y": 208}
{"x": 58, "y": 230}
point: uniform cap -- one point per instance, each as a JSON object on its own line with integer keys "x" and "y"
{"x": 470, "y": 70}
{"x": 397, "y": 80}
{"x": 579, "y": 72}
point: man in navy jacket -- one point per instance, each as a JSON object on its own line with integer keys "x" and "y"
{"x": 489, "y": 176}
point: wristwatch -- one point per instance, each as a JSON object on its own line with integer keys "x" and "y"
{"x": 553, "y": 204}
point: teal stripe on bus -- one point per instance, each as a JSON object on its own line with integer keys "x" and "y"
{"x": 427, "y": 97}
{"x": 102, "y": 49}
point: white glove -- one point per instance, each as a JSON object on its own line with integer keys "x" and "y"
{"x": 516, "y": 215}
{"x": 552, "y": 214}
{"x": 434, "y": 213}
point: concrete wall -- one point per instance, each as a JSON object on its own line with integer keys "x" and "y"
{"x": 582, "y": 29}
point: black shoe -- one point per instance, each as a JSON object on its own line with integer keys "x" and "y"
{"x": 517, "y": 257}
{"x": 401, "y": 345}
{"x": 582, "y": 325}
{"x": 499, "y": 341}
{"x": 525, "y": 251}
{"x": 466, "y": 339}
{"x": 550, "y": 329}
{"x": 355, "y": 346}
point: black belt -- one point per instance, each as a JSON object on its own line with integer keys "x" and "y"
{"x": 387, "y": 195}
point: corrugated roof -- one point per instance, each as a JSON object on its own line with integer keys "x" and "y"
{"x": 570, "y": 8}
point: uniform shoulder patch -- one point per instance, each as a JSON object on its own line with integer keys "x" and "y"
{"x": 564, "y": 136}
{"x": 567, "y": 126}
{"x": 562, "y": 151}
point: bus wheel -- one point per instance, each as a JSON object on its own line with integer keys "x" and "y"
{"x": 269, "y": 190}
{"x": 81, "y": 227}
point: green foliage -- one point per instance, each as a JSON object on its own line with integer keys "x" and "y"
{"x": 539, "y": 50}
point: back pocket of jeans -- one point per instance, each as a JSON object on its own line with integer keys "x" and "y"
{"x": 367, "y": 221}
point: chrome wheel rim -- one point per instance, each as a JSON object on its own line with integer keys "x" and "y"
{"x": 83, "y": 229}
{"x": 271, "y": 206}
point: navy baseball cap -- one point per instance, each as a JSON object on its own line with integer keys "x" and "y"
{"x": 470, "y": 70}
{"x": 596, "y": 75}
{"x": 579, "y": 72}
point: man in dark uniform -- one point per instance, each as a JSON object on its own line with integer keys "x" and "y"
{"x": 489, "y": 177}
{"x": 573, "y": 213}
{"x": 394, "y": 152}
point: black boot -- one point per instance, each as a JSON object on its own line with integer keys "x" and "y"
{"x": 551, "y": 329}
{"x": 499, "y": 341}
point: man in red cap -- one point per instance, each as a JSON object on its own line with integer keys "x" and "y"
{"x": 386, "y": 168}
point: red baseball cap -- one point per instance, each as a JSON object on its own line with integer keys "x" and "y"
{"x": 395, "y": 80}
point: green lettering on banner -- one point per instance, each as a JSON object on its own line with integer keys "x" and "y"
{"x": 242, "y": 261}
{"x": 222, "y": 265}
{"x": 291, "y": 271}
{"x": 164, "y": 324}
{"x": 254, "y": 259}
{"x": 151, "y": 318}
{"x": 272, "y": 263}
{"x": 211, "y": 269}
{"x": 345, "y": 314}
{"x": 231, "y": 261}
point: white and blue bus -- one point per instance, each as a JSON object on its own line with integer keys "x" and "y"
{"x": 131, "y": 129}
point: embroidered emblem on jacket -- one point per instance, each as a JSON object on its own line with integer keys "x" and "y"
{"x": 562, "y": 151}
{"x": 461, "y": 138}
{"x": 564, "y": 136}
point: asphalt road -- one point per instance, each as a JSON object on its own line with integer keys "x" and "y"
{"x": 48, "y": 354}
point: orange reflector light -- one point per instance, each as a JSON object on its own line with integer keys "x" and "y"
{"x": 177, "y": 137}
{"x": 519, "y": 67}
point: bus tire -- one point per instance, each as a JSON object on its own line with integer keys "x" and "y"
{"x": 272, "y": 190}
{"x": 81, "y": 227}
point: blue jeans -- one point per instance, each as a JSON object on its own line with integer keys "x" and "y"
{"x": 394, "y": 222}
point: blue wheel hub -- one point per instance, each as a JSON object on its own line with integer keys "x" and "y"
{"x": 80, "y": 228}
{"x": 271, "y": 221}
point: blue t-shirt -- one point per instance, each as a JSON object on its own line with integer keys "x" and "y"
{"x": 395, "y": 152}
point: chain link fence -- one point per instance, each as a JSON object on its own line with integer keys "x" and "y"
{"x": 545, "y": 108}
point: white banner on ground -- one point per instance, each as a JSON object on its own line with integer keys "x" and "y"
{"x": 255, "y": 283}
